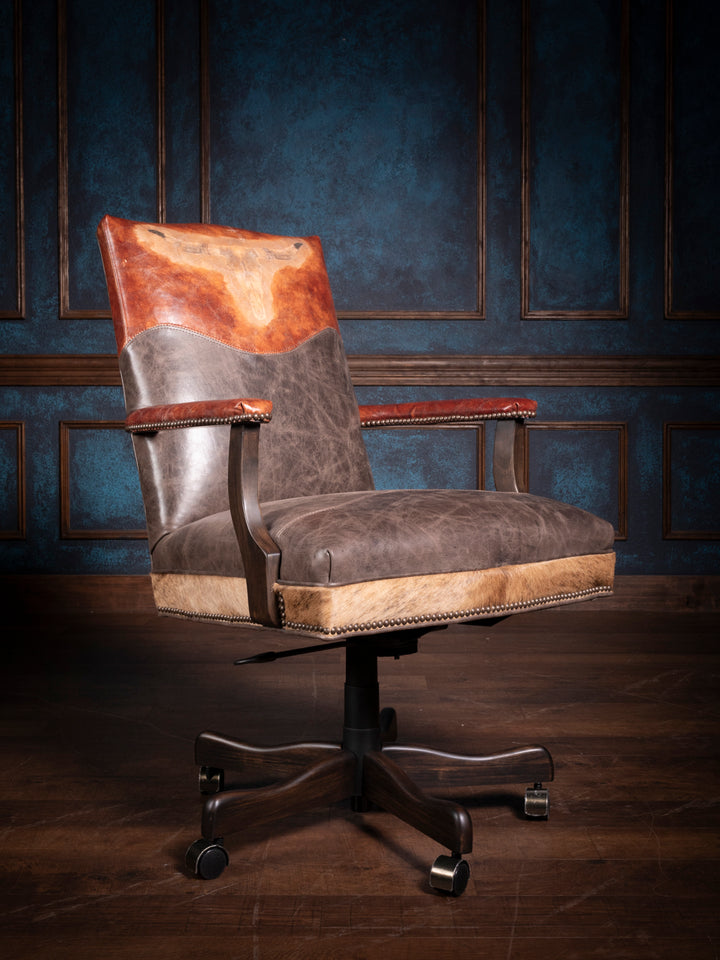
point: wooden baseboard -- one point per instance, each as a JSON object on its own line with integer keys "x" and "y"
{"x": 677, "y": 593}
{"x": 133, "y": 594}
{"x": 74, "y": 594}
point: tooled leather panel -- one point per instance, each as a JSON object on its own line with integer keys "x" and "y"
{"x": 384, "y": 534}
{"x": 312, "y": 444}
{"x": 250, "y": 290}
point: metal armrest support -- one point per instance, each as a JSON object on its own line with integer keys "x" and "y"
{"x": 260, "y": 554}
{"x": 510, "y": 413}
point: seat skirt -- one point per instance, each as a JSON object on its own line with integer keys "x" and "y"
{"x": 366, "y": 562}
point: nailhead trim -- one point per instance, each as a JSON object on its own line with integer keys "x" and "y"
{"x": 193, "y": 615}
{"x": 265, "y": 418}
{"x": 198, "y": 422}
{"x": 449, "y": 418}
{"x": 395, "y": 621}
{"x": 440, "y": 617}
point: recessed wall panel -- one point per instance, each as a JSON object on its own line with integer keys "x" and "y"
{"x": 108, "y": 135}
{"x": 691, "y": 481}
{"x": 583, "y": 464}
{"x": 100, "y": 490}
{"x": 575, "y": 178}
{"x": 182, "y": 101}
{"x": 693, "y": 160}
{"x": 12, "y": 480}
{"x": 428, "y": 458}
{"x": 11, "y": 206}
{"x": 360, "y": 123}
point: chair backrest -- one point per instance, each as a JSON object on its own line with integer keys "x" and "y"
{"x": 203, "y": 312}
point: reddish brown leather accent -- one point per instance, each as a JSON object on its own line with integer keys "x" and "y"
{"x": 197, "y": 413}
{"x": 447, "y": 411}
{"x": 252, "y": 291}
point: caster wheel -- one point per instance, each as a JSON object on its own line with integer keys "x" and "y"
{"x": 537, "y": 802}
{"x": 450, "y": 875}
{"x": 388, "y": 725}
{"x": 211, "y": 780}
{"x": 206, "y": 858}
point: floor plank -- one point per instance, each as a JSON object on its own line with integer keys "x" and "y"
{"x": 98, "y": 801}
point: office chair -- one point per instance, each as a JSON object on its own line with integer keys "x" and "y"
{"x": 261, "y": 509}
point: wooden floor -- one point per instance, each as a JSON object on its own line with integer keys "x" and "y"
{"x": 102, "y": 700}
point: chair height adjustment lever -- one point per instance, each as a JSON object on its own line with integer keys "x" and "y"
{"x": 271, "y": 655}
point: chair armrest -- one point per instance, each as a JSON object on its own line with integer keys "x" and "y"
{"x": 446, "y": 411}
{"x": 173, "y": 416}
{"x": 260, "y": 555}
{"x": 508, "y": 443}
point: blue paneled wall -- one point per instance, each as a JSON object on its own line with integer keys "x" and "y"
{"x": 515, "y": 198}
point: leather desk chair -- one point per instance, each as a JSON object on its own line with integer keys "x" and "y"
{"x": 261, "y": 509}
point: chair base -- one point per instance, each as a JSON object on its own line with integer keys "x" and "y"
{"x": 365, "y": 768}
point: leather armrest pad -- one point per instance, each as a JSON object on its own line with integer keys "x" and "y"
{"x": 197, "y": 413}
{"x": 447, "y": 411}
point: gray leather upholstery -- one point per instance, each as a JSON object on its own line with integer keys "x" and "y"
{"x": 374, "y": 535}
{"x": 312, "y": 445}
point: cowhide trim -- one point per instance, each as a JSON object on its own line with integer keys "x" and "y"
{"x": 200, "y": 597}
{"x": 379, "y": 605}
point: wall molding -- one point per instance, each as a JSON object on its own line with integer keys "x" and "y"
{"x": 38, "y": 370}
{"x": 67, "y": 531}
{"x": 672, "y": 311}
{"x": 621, "y": 429}
{"x": 621, "y": 312}
{"x": 478, "y": 313}
{"x": 669, "y": 531}
{"x": 67, "y": 312}
{"x": 18, "y": 311}
{"x": 480, "y": 442}
{"x": 536, "y": 371}
{"x": 204, "y": 118}
{"x": 19, "y": 531}
{"x": 63, "y": 370}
